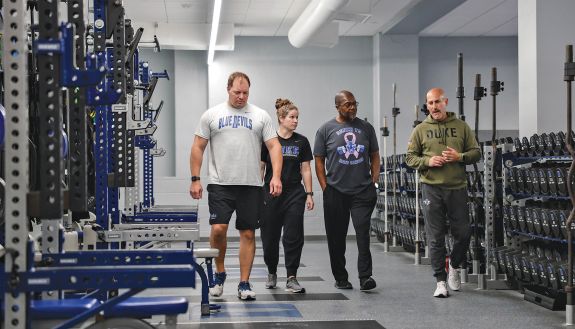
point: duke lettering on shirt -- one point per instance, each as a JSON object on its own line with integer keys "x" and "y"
{"x": 441, "y": 132}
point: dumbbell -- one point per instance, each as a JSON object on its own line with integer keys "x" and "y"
{"x": 550, "y": 144}
{"x": 546, "y": 222}
{"x": 543, "y": 181}
{"x": 552, "y": 181}
{"x": 507, "y": 217}
{"x": 517, "y": 267}
{"x": 520, "y": 178}
{"x": 534, "y": 269}
{"x": 521, "y": 214}
{"x": 509, "y": 262}
{"x": 554, "y": 223}
{"x": 543, "y": 146}
{"x": 512, "y": 179}
{"x": 534, "y": 174}
{"x": 537, "y": 221}
{"x": 560, "y": 144}
{"x": 561, "y": 176}
{"x": 529, "y": 220}
{"x": 553, "y": 277}
{"x": 518, "y": 147}
{"x": 525, "y": 269}
{"x": 499, "y": 258}
{"x": 562, "y": 274}
{"x": 513, "y": 219}
{"x": 527, "y": 182}
{"x": 543, "y": 274}
{"x": 534, "y": 145}
{"x": 525, "y": 146}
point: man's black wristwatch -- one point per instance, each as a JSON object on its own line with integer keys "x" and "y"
{"x": 195, "y": 178}
{"x": 309, "y": 193}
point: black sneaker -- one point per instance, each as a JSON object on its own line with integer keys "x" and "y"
{"x": 343, "y": 284}
{"x": 367, "y": 284}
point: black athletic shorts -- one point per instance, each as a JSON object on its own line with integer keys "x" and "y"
{"x": 246, "y": 201}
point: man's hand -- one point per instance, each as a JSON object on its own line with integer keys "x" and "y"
{"x": 450, "y": 155}
{"x": 196, "y": 190}
{"x": 436, "y": 161}
{"x": 275, "y": 186}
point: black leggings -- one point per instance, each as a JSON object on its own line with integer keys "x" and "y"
{"x": 285, "y": 211}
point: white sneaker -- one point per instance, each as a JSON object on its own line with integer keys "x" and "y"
{"x": 441, "y": 290}
{"x": 454, "y": 278}
{"x": 245, "y": 291}
{"x": 218, "y": 289}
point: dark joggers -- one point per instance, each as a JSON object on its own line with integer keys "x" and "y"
{"x": 285, "y": 211}
{"x": 440, "y": 204}
{"x": 337, "y": 208}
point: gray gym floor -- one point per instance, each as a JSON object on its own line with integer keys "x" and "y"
{"x": 402, "y": 299}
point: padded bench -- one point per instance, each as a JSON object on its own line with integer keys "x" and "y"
{"x": 207, "y": 280}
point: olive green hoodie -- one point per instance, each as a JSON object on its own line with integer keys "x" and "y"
{"x": 432, "y": 137}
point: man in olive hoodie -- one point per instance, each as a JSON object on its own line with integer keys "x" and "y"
{"x": 440, "y": 148}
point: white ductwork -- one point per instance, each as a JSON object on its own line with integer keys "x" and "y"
{"x": 317, "y": 15}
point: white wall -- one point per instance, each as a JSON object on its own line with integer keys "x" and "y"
{"x": 552, "y": 23}
{"x": 399, "y": 66}
{"x": 191, "y": 85}
{"x": 438, "y": 68}
{"x": 310, "y": 77}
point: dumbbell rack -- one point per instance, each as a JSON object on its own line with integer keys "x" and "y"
{"x": 402, "y": 208}
{"x": 535, "y": 211}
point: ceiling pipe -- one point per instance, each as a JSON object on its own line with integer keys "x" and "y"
{"x": 314, "y": 17}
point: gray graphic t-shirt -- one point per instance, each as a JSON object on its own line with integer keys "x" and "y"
{"x": 346, "y": 148}
{"x": 235, "y": 140}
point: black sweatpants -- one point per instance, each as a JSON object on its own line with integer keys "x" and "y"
{"x": 285, "y": 211}
{"x": 440, "y": 204}
{"x": 337, "y": 208}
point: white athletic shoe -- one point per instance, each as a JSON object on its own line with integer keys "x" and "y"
{"x": 218, "y": 289}
{"x": 245, "y": 291}
{"x": 454, "y": 278}
{"x": 441, "y": 290}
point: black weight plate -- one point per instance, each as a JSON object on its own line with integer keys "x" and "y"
{"x": 543, "y": 181}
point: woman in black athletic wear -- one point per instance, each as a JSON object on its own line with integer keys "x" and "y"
{"x": 286, "y": 211}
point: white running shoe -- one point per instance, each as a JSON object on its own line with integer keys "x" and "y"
{"x": 245, "y": 291}
{"x": 441, "y": 290}
{"x": 218, "y": 289}
{"x": 454, "y": 278}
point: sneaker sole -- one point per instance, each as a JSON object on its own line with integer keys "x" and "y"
{"x": 247, "y": 298}
{"x": 442, "y": 296}
{"x": 271, "y": 287}
{"x": 301, "y": 291}
{"x": 368, "y": 287}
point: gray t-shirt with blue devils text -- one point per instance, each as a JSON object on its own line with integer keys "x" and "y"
{"x": 347, "y": 148}
{"x": 235, "y": 140}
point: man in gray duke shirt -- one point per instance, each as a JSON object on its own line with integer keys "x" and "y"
{"x": 349, "y": 145}
{"x": 235, "y": 130}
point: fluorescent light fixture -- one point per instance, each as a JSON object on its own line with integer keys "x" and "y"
{"x": 214, "y": 33}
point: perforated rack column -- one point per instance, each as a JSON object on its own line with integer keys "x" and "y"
{"x": 50, "y": 203}
{"x": 14, "y": 60}
{"x": 78, "y": 117}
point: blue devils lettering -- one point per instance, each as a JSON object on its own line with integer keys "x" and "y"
{"x": 235, "y": 121}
